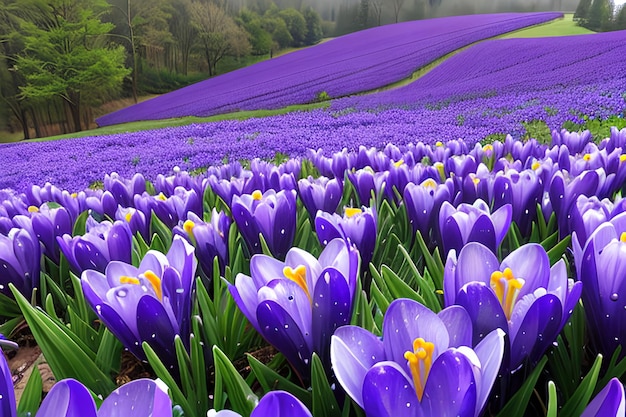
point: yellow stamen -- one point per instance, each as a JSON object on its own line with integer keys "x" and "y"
{"x": 161, "y": 197}
{"x": 535, "y": 166}
{"x": 420, "y": 361}
{"x": 507, "y": 289}
{"x": 439, "y": 143}
{"x": 622, "y": 158}
{"x": 488, "y": 148}
{"x": 74, "y": 195}
{"x": 298, "y": 276}
{"x": 257, "y": 195}
{"x": 128, "y": 216}
{"x": 399, "y": 163}
{"x": 155, "y": 281}
{"x": 349, "y": 211}
{"x": 430, "y": 184}
{"x": 622, "y": 237}
{"x": 188, "y": 226}
{"x": 476, "y": 180}
{"x": 587, "y": 157}
{"x": 33, "y": 209}
{"x": 129, "y": 280}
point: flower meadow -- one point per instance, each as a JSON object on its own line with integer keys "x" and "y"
{"x": 378, "y": 258}
{"x": 351, "y": 64}
{"x": 426, "y": 280}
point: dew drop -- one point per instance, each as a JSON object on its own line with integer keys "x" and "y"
{"x": 614, "y": 296}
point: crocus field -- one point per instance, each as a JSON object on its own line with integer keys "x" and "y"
{"x": 382, "y": 257}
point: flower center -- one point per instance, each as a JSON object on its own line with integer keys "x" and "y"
{"x": 33, "y": 209}
{"x": 349, "y": 211}
{"x": 188, "y": 227}
{"x": 161, "y": 197}
{"x": 298, "y": 275}
{"x": 128, "y": 216}
{"x": 420, "y": 361}
{"x": 622, "y": 237}
{"x": 399, "y": 163}
{"x": 257, "y": 195}
{"x": 429, "y": 184}
{"x": 151, "y": 277}
{"x": 507, "y": 289}
{"x": 587, "y": 157}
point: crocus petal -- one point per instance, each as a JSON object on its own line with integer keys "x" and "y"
{"x": 139, "y": 398}
{"x": 389, "y": 392}
{"x": 490, "y": 352}
{"x": 68, "y": 398}
{"x": 531, "y": 263}
{"x": 280, "y": 330}
{"x": 534, "y": 328}
{"x": 119, "y": 328}
{"x": 332, "y": 305}
{"x": 353, "y": 351}
{"x": 280, "y": 404}
{"x": 501, "y": 219}
{"x": 406, "y": 320}
{"x": 483, "y": 308}
{"x": 327, "y": 229}
{"x": 483, "y": 231}
{"x": 459, "y": 325}
{"x": 156, "y": 328}
{"x": 608, "y": 402}
{"x": 450, "y": 389}
{"x": 245, "y": 294}
{"x": 7, "y": 393}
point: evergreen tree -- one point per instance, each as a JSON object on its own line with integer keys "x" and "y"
{"x": 313, "y": 21}
{"x": 599, "y": 15}
{"x": 66, "y": 56}
{"x": 620, "y": 19}
{"x": 582, "y": 12}
{"x": 362, "y": 18}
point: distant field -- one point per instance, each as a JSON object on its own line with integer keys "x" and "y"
{"x": 559, "y": 27}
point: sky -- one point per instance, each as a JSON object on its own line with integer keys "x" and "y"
{"x": 619, "y": 2}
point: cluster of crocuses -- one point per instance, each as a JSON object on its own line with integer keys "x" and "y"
{"x": 309, "y": 231}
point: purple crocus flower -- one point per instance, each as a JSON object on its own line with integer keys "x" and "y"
{"x": 103, "y": 242}
{"x": 123, "y": 190}
{"x": 601, "y": 268}
{"x": 357, "y": 225}
{"x": 522, "y": 295}
{"x": 586, "y": 214}
{"x": 210, "y": 239}
{"x": 320, "y": 194}
{"x": 137, "y": 221}
{"x": 609, "y": 402}
{"x": 423, "y": 201}
{"x": 272, "y": 214}
{"x": 274, "y": 404}
{"x": 20, "y": 257}
{"x": 421, "y": 367}
{"x": 523, "y": 190}
{"x": 7, "y": 392}
{"x": 48, "y": 224}
{"x": 473, "y": 223}
{"x": 296, "y": 305}
{"x": 139, "y": 398}
{"x": 157, "y": 295}
{"x": 574, "y": 141}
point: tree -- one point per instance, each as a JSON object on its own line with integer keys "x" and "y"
{"x": 362, "y": 18}
{"x": 377, "y": 10}
{"x": 620, "y": 19}
{"x": 260, "y": 39}
{"x": 218, "y": 33}
{"x": 296, "y": 25}
{"x": 582, "y": 12}
{"x": 184, "y": 33}
{"x": 314, "y": 32}
{"x": 67, "y": 57}
{"x": 599, "y": 15}
{"x": 397, "y": 6}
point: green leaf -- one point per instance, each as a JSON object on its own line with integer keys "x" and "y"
{"x": 164, "y": 232}
{"x": 559, "y": 250}
{"x": 516, "y": 407}
{"x": 31, "y": 396}
{"x": 271, "y": 380}
{"x": 241, "y": 397}
{"x": 552, "y": 400}
{"x": 324, "y": 402}
{"x": 161, "y": 371}
{"x": 433, "y": 261}
{"x": 79, "y": 228}
{"x": 576, "y": 405}
{"x": 8, "y": 307}
{"x": 66, "y": 358}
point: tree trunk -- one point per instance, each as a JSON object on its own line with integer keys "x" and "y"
{"x": 24, "y": 122}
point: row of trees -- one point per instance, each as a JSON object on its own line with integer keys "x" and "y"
{"x": 600, "y": 15}
{"x": 59, "y": 59}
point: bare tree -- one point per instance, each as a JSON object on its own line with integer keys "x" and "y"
{"x": 218, "y": 33}
{"x": 377, "y": 10}
{"x": 397, "y": 6}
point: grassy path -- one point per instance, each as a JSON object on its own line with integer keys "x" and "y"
{"x": 558, "y": 27}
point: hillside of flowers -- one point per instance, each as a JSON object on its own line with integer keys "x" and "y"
{"x": 425, "y": 280}
{"x": 358, "y": 62}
